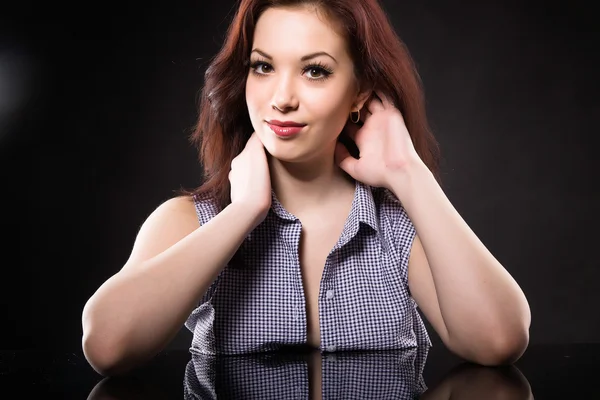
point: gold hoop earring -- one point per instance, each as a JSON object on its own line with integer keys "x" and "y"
{"x": 357, "y": 116}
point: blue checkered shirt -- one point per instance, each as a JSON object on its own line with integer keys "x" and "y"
{"x": 257, "y": 302}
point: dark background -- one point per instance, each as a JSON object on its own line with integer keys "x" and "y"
{"x": 97, "y": 100}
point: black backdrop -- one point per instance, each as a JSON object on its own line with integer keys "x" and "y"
{"x": 96, "y": 103}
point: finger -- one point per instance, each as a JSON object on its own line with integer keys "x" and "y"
{"x": 344, "y": 159}
{"x": 385, "y": 101}
{"x": 251, "y": 139}
{"x": 374, "y": 105}
{"x": 255, "y": 140}
{"x": 365, "y": 114}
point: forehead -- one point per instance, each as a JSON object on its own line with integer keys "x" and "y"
{"x": 284, "y": 30}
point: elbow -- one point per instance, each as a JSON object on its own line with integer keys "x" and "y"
{"x": 103, "y": 355}
{"x": 101, "y": 348}
{"x": 503, "y": 349}
{"x": 495, "y": 347}
{"x": 498, "y": 343}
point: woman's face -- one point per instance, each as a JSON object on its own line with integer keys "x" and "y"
{"x": 300, "y": 72}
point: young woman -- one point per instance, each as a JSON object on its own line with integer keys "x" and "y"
{"x": 294, "y": 239}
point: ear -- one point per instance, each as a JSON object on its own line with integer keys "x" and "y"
{"x": 361, "y": 99}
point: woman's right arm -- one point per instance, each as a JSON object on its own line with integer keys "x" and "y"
{"x": 140, "y": 309}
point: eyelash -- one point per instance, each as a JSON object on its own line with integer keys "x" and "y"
{"x": 323, "y": 69}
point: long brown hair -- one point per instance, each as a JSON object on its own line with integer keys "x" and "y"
{"x": 381, "y": 60}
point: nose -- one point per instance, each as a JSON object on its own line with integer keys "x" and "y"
{"x": 284, "y": 97}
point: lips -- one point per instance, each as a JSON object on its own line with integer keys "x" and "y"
{"x": 285, "y": 123}
{"x": 285, "y": 129}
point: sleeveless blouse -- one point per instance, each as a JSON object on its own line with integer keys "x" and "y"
{"x": 257, "y": 302}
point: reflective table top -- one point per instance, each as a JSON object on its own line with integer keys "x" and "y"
{"x": 543, "y": 372}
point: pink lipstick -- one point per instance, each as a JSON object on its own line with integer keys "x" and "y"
{"x": 285, "y": 128}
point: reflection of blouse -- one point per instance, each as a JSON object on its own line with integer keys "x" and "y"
{"x": 257, "y": 302}
{"x": 392, "y": 374}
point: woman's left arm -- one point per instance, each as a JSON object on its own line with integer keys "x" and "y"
{"x": 471, "y": 300}
{"x": 473, "y": 303}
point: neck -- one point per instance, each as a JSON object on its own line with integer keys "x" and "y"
{"x": 306, "y": 185}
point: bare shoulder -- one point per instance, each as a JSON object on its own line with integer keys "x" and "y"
{"x": 179, "y": 205}
{"x": 170, "y": 222}
{"x": 176, "y": 212}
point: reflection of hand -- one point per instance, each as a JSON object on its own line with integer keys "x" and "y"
{"x": 470, "y": 381}
{"x": 124, "y": 388}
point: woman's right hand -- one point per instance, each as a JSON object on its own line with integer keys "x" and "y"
{"x": 250, "y": 179}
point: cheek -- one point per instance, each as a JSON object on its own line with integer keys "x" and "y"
{"x": 254, "y": 104}
{"x": 250, "y": 101}
{"x": 331, "y": 112}
{"x": 253, "y": 95}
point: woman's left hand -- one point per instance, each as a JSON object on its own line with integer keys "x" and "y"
{"x": 385, "y": 146}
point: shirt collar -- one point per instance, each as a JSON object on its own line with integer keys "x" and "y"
{"x": 363, "y": 207}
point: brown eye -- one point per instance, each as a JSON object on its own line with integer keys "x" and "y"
{"x": 265, "y": 68}
{"x": 315, "y": 73}
{"x": 261, "y": 68}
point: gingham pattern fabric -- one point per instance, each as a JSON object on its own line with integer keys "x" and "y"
{"x": 391, "y": 374}
{"x": 257, "y": 302}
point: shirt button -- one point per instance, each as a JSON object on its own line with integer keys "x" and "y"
{"x": 331, "y": 349}
{"x": 329, "y": 294}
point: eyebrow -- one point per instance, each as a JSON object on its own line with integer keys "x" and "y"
{"x": 304, "y": 58}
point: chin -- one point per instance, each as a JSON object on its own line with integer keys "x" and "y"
{"x": 283, "y": 155}
{"x": 281, "y": 150}
{"x": 287, "y": 152}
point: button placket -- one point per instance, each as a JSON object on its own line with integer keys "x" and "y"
{"x": 328, "y": 330}
{"x": 295, "y": 272}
